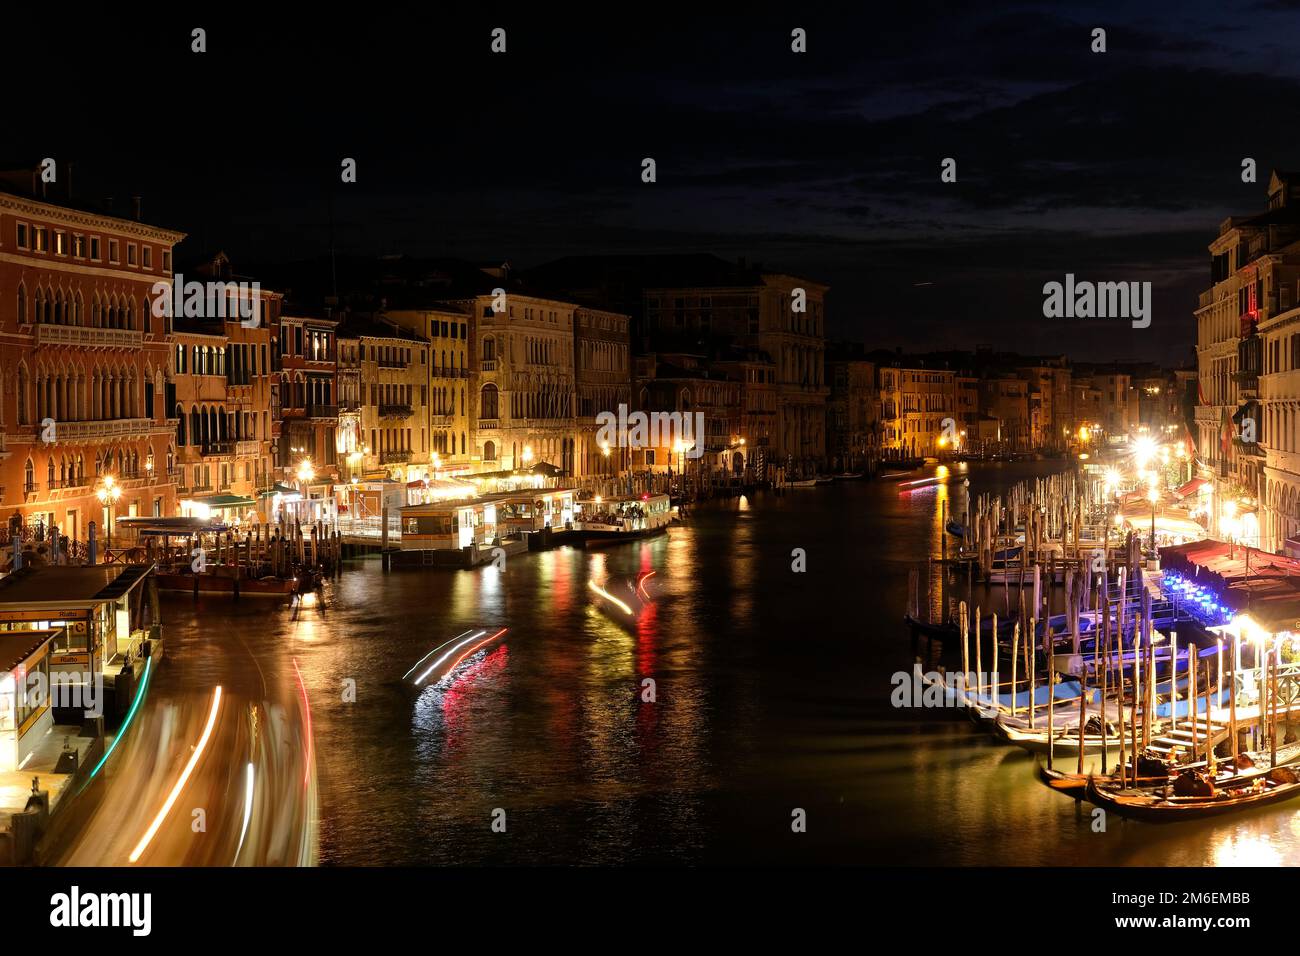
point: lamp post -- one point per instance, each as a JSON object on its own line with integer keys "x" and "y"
{"x": 305, "y": 474}
{"x": 108, "y": 492}
{"x": 1153, "y": 496}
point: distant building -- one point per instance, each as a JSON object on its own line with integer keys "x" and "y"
{"x": 705, "y": 306}
{"x": 852, "y": 411}
{"x": 915, "y": 405}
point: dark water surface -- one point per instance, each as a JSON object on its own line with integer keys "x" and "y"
{"x": 772, "y": 694}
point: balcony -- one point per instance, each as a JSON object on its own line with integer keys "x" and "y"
{"x": 63, "y": 484}
{"x": 248, "y": 448}
{"x": 31, "y": 487}
{"x": 1252, "y": 449}
{"x": 442, "y": 421}
{"x": 395, "y": 457}
{"x": 113, "y": 429}
{"x": 488, "y": 424}
{"x": 218, "y": 449}
{"x": 488, "y": 365}
{"x": 395, "y": 411}
{"x": 88, "y": 337}
{"x": 392, "y": 363}
{"x": 322, "y": 411}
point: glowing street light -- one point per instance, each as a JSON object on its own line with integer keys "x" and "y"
{"x": 108, "y": 494}
{"x": 1144, "y": 449}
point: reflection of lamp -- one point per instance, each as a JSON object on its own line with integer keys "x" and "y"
{"x": 108, "y": 493}
{"x": 528, "y": 455}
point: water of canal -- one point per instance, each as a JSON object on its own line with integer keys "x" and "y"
{"x": 772, "y": 693}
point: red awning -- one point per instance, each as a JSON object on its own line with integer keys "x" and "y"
{"x": 1247, "y": 579}
{"x": 1191, "y": 488}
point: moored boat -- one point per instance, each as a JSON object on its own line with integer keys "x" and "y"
{"x": 1199, "y": 798}
{"x": 602, "y": 522}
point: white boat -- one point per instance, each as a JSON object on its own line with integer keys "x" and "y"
{"x": 622, "y": 518}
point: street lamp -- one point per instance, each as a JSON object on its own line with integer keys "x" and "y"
{"x": 1153, "y": 496}
{"x": 528, "y": 455}
{"x": 108, "y": 492}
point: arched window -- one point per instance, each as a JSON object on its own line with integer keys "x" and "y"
{"x": 489, "y": 451}
{"x": 488, "y": 401}
{"x": 22, "y": 302}
{"x": 29, "y": 476}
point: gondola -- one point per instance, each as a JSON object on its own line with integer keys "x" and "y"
{"x": 1076, "y": 784}
{"x": 1163, "y": 805}
{"x": 1065, "y": 740}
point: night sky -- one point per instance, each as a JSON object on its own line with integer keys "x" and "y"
{"x": 1115, "y": 166}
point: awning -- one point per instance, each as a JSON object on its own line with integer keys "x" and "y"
{"x": 278, "y": 489}
{"x": 225, "y": 501}
{"x": 1191, "y": 488}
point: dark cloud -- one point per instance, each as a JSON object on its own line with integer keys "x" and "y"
{"x": 1115, "y": 166}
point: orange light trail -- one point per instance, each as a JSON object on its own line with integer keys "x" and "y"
{"x": 185, "y": 775}
{"x": 487, "y": 640}
{"x": 434, "y": 665}
{"x": 306, "y": 706}
{"x": 640, "y": 584}
{"x": 609, "y": 597}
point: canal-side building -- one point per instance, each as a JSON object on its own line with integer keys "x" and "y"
{"x": 1279, "y": 399}
{"x": 852, "y": 410}
{"x": 219, "y": 391}
{"x": 914, "y": 404}
{"x": 1254, "y": 269}
{"x": 449, "y": 330}
{"x": 83, "y": 361}
{"x": 304, "y": 413}
{"x": 755, "y": 371}
{"x": 392, "y": 372}
{"x": 603, "y": 377}
{"x": 685, "y": 386}
{"x": 703, "y": 305}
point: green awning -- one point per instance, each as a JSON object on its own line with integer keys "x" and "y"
{"x": 225, "y": 501}
{"x": 279, "y": 489}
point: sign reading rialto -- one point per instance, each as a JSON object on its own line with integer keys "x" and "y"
{"x": 681, "y": 431}
{"x": 208, "y": 300}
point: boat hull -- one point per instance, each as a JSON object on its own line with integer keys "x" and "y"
{"x": 1154, "y": 808}
{"x": 606, "y": 539}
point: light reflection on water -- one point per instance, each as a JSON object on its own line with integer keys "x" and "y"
{"x": 771, "y": 693}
